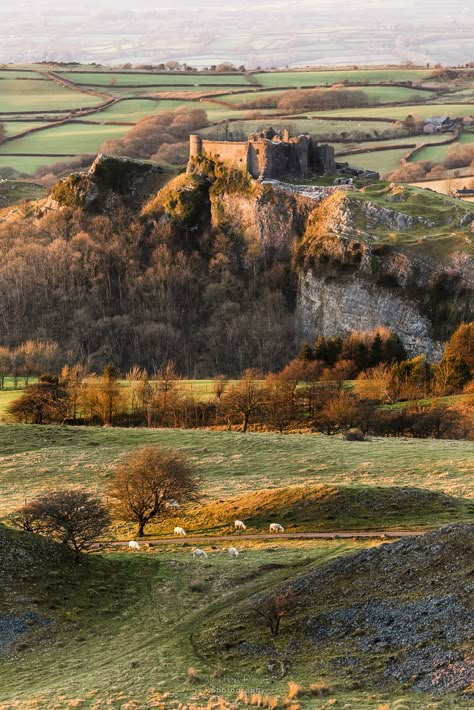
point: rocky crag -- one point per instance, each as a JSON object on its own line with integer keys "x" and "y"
{"x": 355, "y": 259}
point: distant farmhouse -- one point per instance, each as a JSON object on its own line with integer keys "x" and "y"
{"x": 438, "y": 124}
{"x": 270, "y": 155}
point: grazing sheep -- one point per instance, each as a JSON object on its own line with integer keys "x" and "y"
{"x": 200, "y": 553}
{"x": 179, "y": 531}
{"x": 239, "y": 525}
{"x": 133, "y": 545}
{"x": 276, "y": 528}
{"x": 233, "y": 552}
{"x": 172, "y": 504}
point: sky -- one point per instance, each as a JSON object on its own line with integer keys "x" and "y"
{"x": 264, "y": 32}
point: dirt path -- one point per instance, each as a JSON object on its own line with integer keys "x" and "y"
{"x": 345, "y": 534}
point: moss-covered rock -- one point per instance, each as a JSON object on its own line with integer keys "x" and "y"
{"x": 182, "y": 200}
{"x": 111, "y": 182}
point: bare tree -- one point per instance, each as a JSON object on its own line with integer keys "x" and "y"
{"x": 246, "y": 397}
{"x": 271, "y": 609}
{"x": 72, "y": 517}
{"x": 147, "y": 480}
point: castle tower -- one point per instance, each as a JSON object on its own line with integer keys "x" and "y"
{"x": 286, "y": 136}
{"x": 195, "y": 146}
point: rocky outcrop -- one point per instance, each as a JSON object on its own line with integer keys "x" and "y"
{"x": 336, "y": 306}
{"x": 111, "y": 182}
{"x": 354, "y": 273}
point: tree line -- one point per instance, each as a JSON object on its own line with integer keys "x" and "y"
{"x": 314, "y": 392}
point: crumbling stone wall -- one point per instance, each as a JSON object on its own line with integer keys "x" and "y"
{"x": 270, "y": 155}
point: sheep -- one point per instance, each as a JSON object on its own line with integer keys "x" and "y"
{"x": 179, "y": 531}
{"x": 172, "y": 504}
{"x": 239, "y": 525}
{"x": 233, "y": 552}
{"x": 276, "y": 528}
{"x": 133, "y": 545}
{"x": 200, "y": 553}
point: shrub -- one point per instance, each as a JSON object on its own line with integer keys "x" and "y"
{"x": 294, "y": 690}
{"x": 355, "y": 434}
{"x": 192, "y": 675}
{"x": 320, "y": 688}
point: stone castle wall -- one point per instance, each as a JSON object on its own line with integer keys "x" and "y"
{"x": 269, "y": 155}
{"x": 227, "y": 151}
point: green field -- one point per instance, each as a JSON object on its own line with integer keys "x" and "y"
{"x": 384, "y": 162}
{"x": 307, "y": 125}
{"x": 27, "y": 165}
{"x": 376, "y": 94}
{"x": 438, "y": 153}
{"x": 38, "y": 458}
{"x": 105, "y": 79}
{"x": 74, "y": 138}
{"x": 12, "y": 128}
{"x": 31, "y": 95}
{"x": 398, "y": 113}
{"x": 314, "y": 78}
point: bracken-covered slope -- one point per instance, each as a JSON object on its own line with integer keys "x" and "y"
{"x": 400, "y": 615}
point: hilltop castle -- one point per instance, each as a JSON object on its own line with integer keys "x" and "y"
{"x": 270, "y": 155}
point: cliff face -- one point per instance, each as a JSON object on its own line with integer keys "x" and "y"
{"x": 409, "y": 267}
{"x": 396, "y": 258}
{"x": 389, "y": 255}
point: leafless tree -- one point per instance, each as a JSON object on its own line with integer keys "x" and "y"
{"x": 72, "y": 517}
{"x": 146, "y": 480}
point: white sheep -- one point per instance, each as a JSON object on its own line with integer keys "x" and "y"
{"x": 172, "y": 504}
{"x": 276, "y": 528}
{"x": 239, "y": 525}
{"x": 233, "y": 552}
{"x": 133, "y": 545}
{"x": 179, "y": 531}
{"x": 200, "y": 553}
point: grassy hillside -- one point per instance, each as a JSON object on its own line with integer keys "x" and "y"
{"x": 398, "y": 614}
{"x": 36, "y": 458}
{"x": 320, "y": 508}
{"x": 121, "y": 630}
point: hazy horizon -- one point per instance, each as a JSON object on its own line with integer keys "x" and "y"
{"x": 269, "y": 33}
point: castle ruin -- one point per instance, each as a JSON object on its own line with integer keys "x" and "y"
{"x": 270, "y": 155}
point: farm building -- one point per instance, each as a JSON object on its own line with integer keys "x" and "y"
{"x": 438, "y": 124}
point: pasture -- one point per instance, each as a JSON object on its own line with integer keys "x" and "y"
{"x": 125, "y": 624}
{"x": 112, "y": 78}
{"x": 35, "y": 459}
{"x": 384, "y": 162}
{"x": 17, "y": 96}
{"x": 34, "y": 93}
{"x": 297, "y": 79}
{"x": 69, "y": 138}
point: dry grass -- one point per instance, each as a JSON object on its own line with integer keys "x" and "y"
{"x": 320, "y": 688}
{"x": 294, "y": 690}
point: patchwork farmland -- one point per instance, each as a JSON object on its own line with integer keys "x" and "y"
{"x": 51, "y": 114}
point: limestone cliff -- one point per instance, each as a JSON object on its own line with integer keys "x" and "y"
{"x": 385, "y": 255}
{"x": 389, "y": 256}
